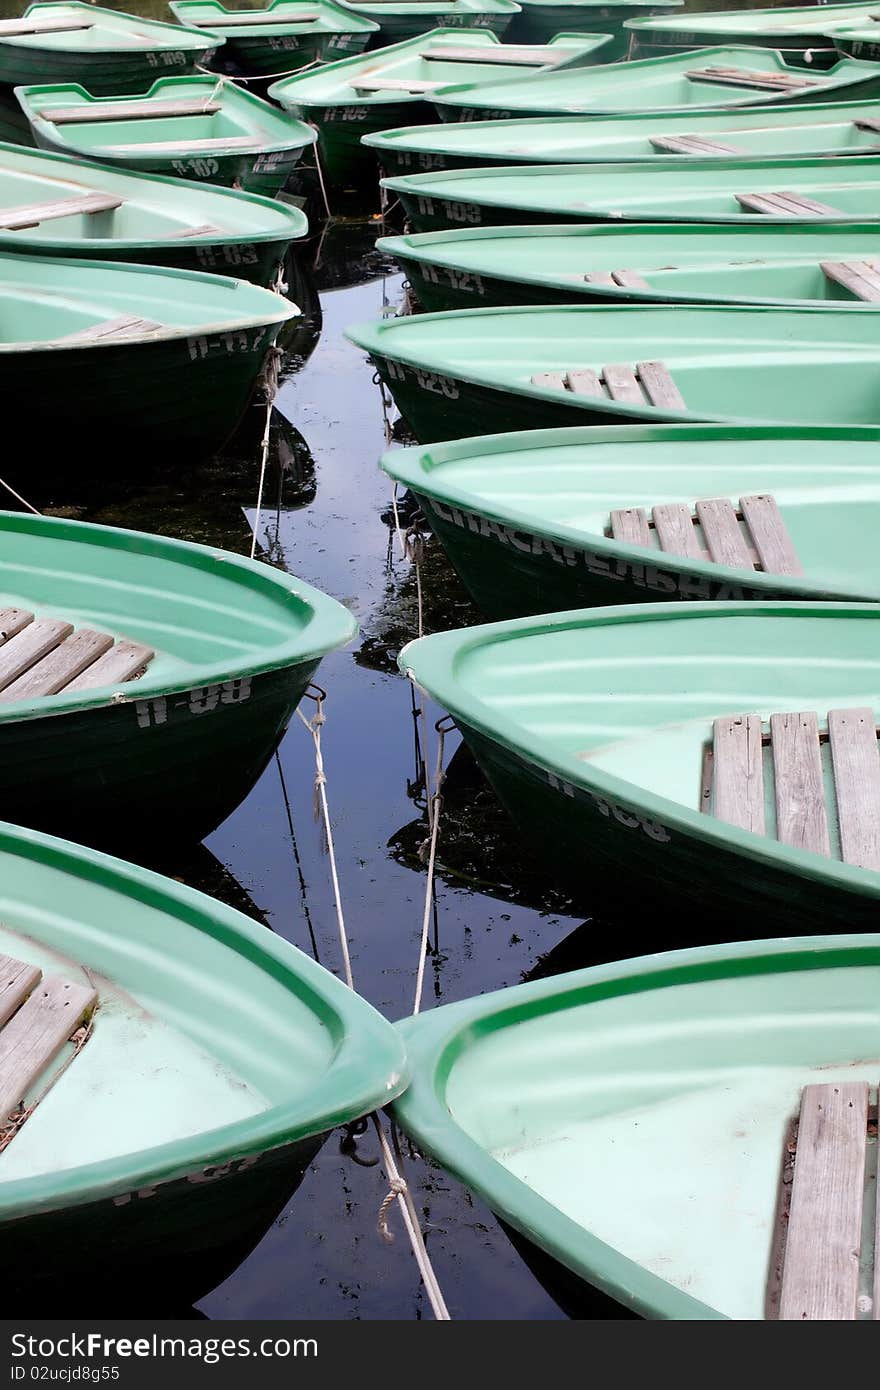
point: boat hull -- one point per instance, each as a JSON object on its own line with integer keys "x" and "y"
{"x": 102, "y": 74}
{"x": 262, "y": 56}
{"x": 613, "y": 857}
{"x": 537, "y": 23}
{"x": 256, "y": 261}
{"x": 395, "y": 26}
{"x": 148, "y": 772}
{"x": 441, "y": 287}
{"x": 344, "y": 160}
{"x": 154, "y": 1250}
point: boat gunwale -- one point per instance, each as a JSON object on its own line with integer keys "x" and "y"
{"x": 436, "y": 1039}
{"x": 333, "y": 1003}
{"x": 58, "y": 46}
{"x": 323, "y": 614}
{"x": 403, "y": 465}
{"x": 364, "y": 25}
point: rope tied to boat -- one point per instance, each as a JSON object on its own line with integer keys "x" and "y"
{"x": 314, "y": 726}
{"x": 270, "y": 380}
{"x": 18, "y": 497}
{"x": 443, "y": 727}
{"x": 396, "y": 1188}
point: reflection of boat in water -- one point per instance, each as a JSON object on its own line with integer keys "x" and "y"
{"x": 345, "y": 253}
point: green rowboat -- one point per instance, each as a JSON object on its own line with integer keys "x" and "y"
{"x": 632, "y": 746}
{"x": 539, "y": 20}
{"x": 158, "y": 675}
{"x": 634, "y": 1123}
{"x": 52, "y": 205}
{"x": 405, "y": 19}
{"x": 358, "y": 96}
{"x": 716, "y": 78}
{"x": 709, "y": 191}
{"x": 159, "y": 363}
{"x": 801, "y": 32}
{"x": 104, "y": 50}
{"x": 559, "y": 519}
{"x": 182, "y": 126}
{"x": 642, "y": 264}
{"x": 212, "y": 1060}
{"x": 484, "y": 371}
{"x": 863, "y": 43}
{"x": 279, "y": 37}
{"x": 799, "y": 132}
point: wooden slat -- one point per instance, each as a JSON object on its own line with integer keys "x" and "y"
{"x": 36, "y": 1034}
{"x": 856, "y": 762}
{"x": 32, "y": 214}
{"x": 801, "y": 819}
{"x": 746, "y": 77}
{"x": 584, "y": 382}
{"x": 622, "y": 384}
{"x": 127, "y": 111}
{"x": 17, "y": 980}
{"x": 599, "y": 277}
{"x": 59, "y": 667}
{"x": 554, "y": 380}
{"x": 184, "y": 146}
{"x": 769, "y": 533}
{"x": 125, "y": 325}
{"x": 248, "y": 19}
{"x": 786, "y": 204}
{"x": 30, "y": 646}
{"x": 628, "y": 279}
{"x": 520, "y": 56}
{"x": 630, "y": 524}
{"x": 203, "y": 229}
{"x": 724, "y": 539}
{"x": 675, "y": 530}
{"x": 42, "y": 24}
{"x": 861, "y": 278}
{"x": 820, "y": 1275}
{"x": 12, "y": 621}
{"x": 660, "y": 389}
{"x": 118, "y": 665}
{"x": 738, "y": 772}
{"x": 395, "y": 84}
{"x": 692, "y": 144}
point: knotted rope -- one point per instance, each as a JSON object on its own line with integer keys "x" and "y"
{"x": 269, "y": 380}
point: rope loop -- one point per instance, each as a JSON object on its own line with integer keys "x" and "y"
{"x": 396, "y": 1188}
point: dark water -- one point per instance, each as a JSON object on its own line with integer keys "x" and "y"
{"x": 498, "y": 918}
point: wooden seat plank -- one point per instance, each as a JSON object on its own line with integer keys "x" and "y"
{"x": 554, "y": 380}
{"x": 184, "y": 146}
{"x": 769, "y": 533}
{"x": 599, "y": 277}
{"x": 35, "y": 1035}
{"x": 660, "y": 389}
{"x": 861, "y": 278}
{"x": 786, "y": 204}
{"x": 17, "y": 981}
{"x": 248, "y": 19}
{"x": 820, "y": 1275}
{"x": 396, "y": 84}
{"x": 629, "y": 279}
{"x": 630, "y": 524}
{"x": 32, "y": 214}
{"x": 622, "y": 384}
{"x": 126, "y": 325}
{"x": 60, "y": 666}
{"x": 692, "y": 144}
{"x": 12, "y": 621}
{"x": 738, "y": 772}
{"x": 490, "y": 53}
{"x": 127, "y": 111}
{"x": 121, "y": 663}
{"x": 801, "y": 818}
{"x": 856, "y": 761}
{"x": 203, "y": 229}
{"x": 584, "y": 382}
{"x": 42, "y": 24}
{"x": 30, "y": 646}
{"x": 675, "y": 530}
{"x": 724, "y": 539}
{"x": 747, "y": 77}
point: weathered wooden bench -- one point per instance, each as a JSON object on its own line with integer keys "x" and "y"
{"x": 649, "y": 383}
{"x": 753, "y": 537}
{"x": 749, "y": 77}
{"x": 203, "y": 229}
{"x": 128, "y": 111}
{"x": 124, "y": 326}
{"x": 785, "y": 204}
{"x": 625, "y": 279}
{"x": 861, "y": 278}
{"x": 736, "y": 768}
{"x": 45, "y": 656}
{"x": 692, "y": 144}
{"x": 32, "y": 214}
{"x": 395, "y": 84}
{"x": 42, "y": 24}
{"x": 520, "y": 56}
{"x": 230, "y": 20}
{"x": 821, "y": 1212}
{"x": 38, "y": 1016}
{"x": 215, "y": 142}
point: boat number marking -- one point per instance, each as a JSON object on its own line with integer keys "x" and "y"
{"x": 243, "y": 253}
{"x": 201, "y": 700}
{"x": 352, "y": 113}
{"x": 241, "y": 340}
{"x": 453, "y": 212}
{"x": 465, "y": 280}
{"x": 428, "y": 381}
{"x": 284, "y": 41}
{"x": 202, "y": 167}
{"x": 172, "y": 59}
{"x": 275, "y": 160}
{"x": 630, "y": 820}
{"x": 616, "y": 568}
{"x": 475, "y": 113}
